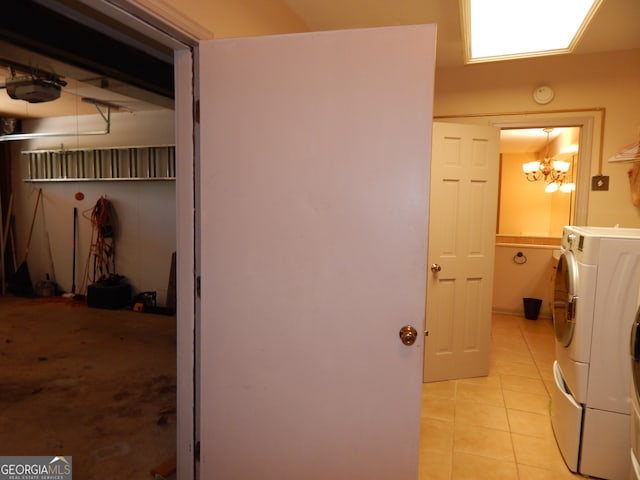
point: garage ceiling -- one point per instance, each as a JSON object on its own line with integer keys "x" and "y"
{"x": 116, "y": 73}
{"x": 93, "y": 64}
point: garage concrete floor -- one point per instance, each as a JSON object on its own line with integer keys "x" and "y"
{"x": 97, "y": 385}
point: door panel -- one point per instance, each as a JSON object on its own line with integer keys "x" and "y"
{"x": 314, "y": 204}
{"x": 464, "y": 193}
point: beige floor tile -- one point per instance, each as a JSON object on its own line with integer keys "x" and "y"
{"x": 505, "y": 329}
{"x": 474, "y": 467}
{"x": 543, "y": 356}
{"x": 527, "y": 402}
{"x": 485, "y": 442}
{"x": 527, "y": 423}
{"x": 436, "y": 435}
{"x": 526, "y": 472}
{"x": 523, "y": 384}
{"x": 499, "y": 319}
{"x": 487, "y": 381}
{"x": 446, "y": 389}
{"x": 507, "y": 338}
{"x": 488, "y": 394}
{"x": 496, "y": 426}
{"x": 545, "y": 367}
{"x": 435, "y": 465}
{"x": 544, "y": 363}
{"x": 507, "y": 367}
{"x": 437, "y": 408}
{"x": 538, "y": 452}
{"x": 513, "y": 343}
{"x": 482, "y": 415}
{"x": 540, "y": 326}
{"x": 503, "y": 354}
{"x": 506, "y": 323}
{"x": 539, "y": 342}
{"x": 549, "y": 384}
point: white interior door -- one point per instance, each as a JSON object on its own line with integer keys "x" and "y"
{"x": 462, "y": 226}
{"x": 314, "y": 175}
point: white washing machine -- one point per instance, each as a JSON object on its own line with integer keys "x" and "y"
{"x": 635, "y": 398}
{"x": 596, "y": 289}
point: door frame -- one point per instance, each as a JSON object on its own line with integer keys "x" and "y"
{"x": 591, "y": 123}
{"x": 157, "y": 21}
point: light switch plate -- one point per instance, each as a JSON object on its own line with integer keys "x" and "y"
{"x": 600, "y": 183}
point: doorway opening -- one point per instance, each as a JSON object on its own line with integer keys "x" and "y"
{"x": 537, "y": 204}
{"x": 530, "y": 219}
{"x": 147, "y": 208}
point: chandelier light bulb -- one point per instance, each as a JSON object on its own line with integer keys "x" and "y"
{"x": 552, "y": 172}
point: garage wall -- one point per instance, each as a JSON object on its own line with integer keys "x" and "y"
{"x": 145, "y": 210}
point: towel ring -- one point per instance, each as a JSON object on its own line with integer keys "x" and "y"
{"x": 520, "y": 258}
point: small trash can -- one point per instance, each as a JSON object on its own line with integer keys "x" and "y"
{"x": 531, "y": 308}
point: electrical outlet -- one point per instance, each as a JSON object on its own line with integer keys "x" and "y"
{"x": 600, "y": 183}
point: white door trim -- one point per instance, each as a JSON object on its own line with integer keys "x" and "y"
{"x": 590, "y": 121}
{"x": 589, "y": 143}
{"x": 155, "y": 19}
{"x": 181, "y": 37}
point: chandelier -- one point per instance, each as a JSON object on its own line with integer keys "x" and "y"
{"x": 552, "y": 172}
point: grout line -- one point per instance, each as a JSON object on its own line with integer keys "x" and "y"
{"x": 524, "y": 337}
{"x": 513, "y": 446}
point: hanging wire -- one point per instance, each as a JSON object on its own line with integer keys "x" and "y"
{"x": 102, "y": 247}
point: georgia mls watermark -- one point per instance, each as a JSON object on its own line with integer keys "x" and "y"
{"x": 35, "y": 468}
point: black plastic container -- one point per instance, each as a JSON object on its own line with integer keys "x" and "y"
{"x": 531, "y": 308}
{"x": 106, "y": 295}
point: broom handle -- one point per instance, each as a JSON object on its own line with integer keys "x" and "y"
{"x": 12, "y": 239}
{"x": 75, "y": 223}
{"x": 3, "y": 288}
{"x": 33, "y": 222}
{"x": 7, "y": 223}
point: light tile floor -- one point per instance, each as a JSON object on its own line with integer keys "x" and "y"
{"x": 496, "y": 427}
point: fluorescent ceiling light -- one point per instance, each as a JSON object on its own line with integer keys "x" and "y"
{"x": 508, "y": 29}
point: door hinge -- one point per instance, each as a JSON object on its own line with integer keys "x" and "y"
{"x": 426, "y": 333}
{"x": 198, "y": 286}
{"x": 196, "y": 111}
{"x": 196, "y": 451}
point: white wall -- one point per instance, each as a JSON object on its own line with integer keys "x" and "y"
{"x": 581, "y": 82}
{"x": 145, "y": 210}
{"x": 525, "y": 207}
{"x": 514, "y": 281}
{"x": 603, "y": 80}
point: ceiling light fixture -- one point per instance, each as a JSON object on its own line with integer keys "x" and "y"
{"x": 552, "y": 172}
{"x": 504, "y": 30}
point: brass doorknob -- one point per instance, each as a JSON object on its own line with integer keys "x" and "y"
{"x": 408, "y": 335}
{"x": 435, "y": 268}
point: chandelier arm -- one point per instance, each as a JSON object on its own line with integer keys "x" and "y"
{"x": 533, "y": 176}
{"x": 557, "y": 176}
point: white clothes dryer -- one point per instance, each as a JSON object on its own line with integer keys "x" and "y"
{"x": 596, "y": 289}
{"x": 635, "y": 398}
